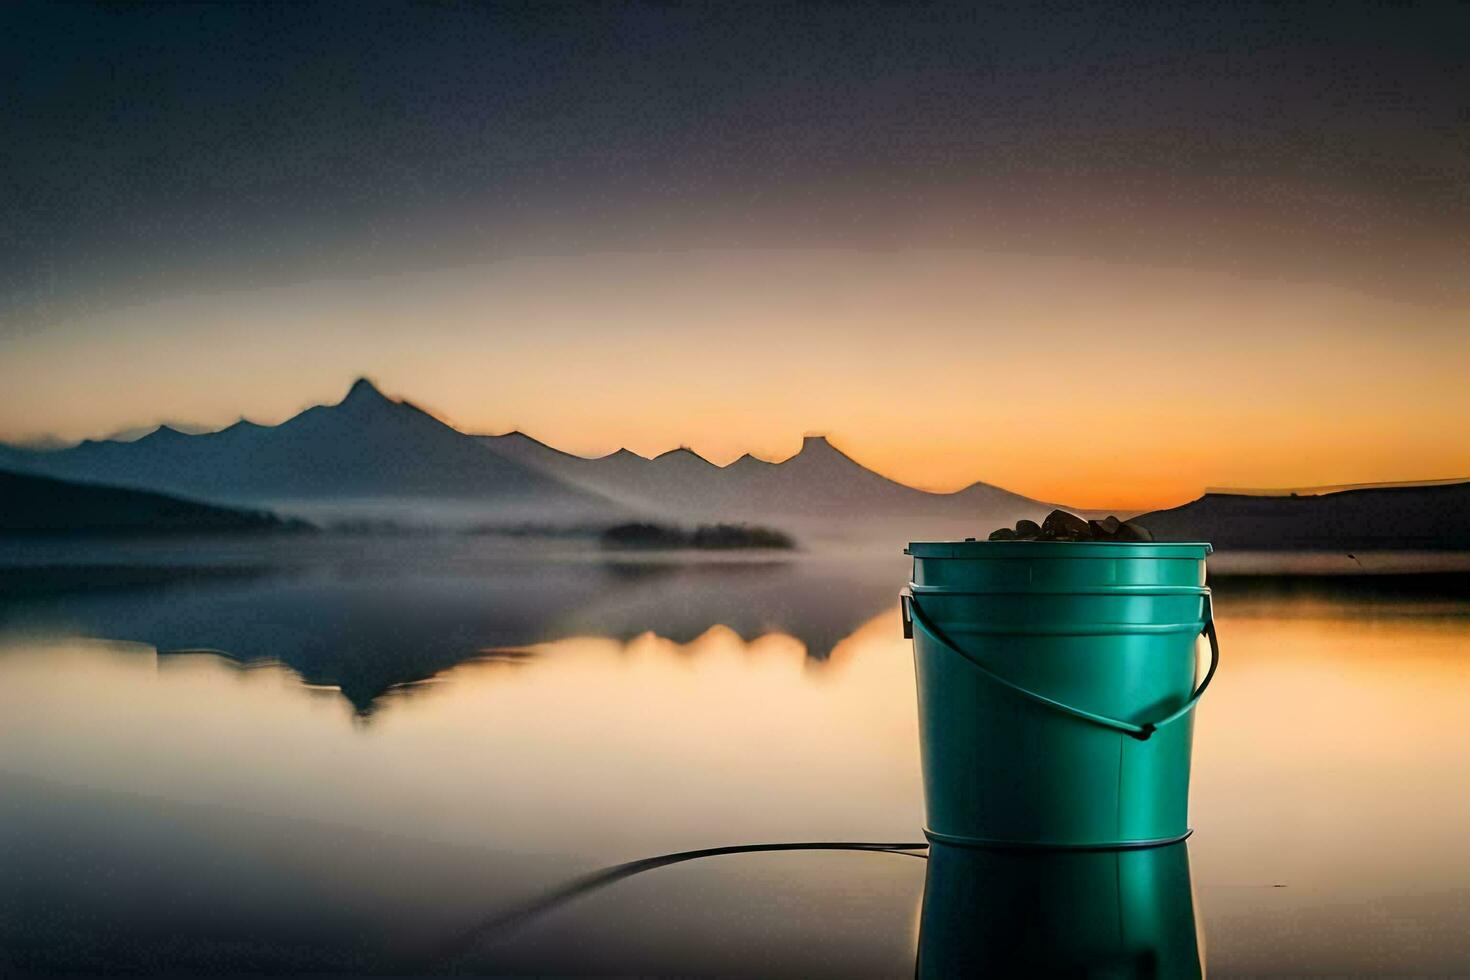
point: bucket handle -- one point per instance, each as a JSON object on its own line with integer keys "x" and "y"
{"x": 913, "y": 615}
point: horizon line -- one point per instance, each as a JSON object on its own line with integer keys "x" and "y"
{"x": 49, "y": 442}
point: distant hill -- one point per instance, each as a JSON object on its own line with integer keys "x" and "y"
{"x": 367, "y": 448}
{"x": 1408, "y": 518}
{"x": 42, "y": 505}
{"x": 819, "y": 483}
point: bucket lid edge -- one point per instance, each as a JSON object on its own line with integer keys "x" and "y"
{"x": 1056, "y": 549}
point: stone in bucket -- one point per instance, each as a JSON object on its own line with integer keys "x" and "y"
{"x": 1063, "y": 526}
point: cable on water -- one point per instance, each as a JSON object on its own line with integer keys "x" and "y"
{"x": 507, "y": 921}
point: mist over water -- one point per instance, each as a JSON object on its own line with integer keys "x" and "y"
{"x": 366, "y": 754}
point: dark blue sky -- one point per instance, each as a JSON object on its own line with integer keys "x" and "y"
{"x": 149, "y": 148}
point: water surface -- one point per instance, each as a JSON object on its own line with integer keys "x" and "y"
{"x": 354, "y": 765}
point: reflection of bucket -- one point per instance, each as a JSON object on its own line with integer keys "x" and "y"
{"x": 1056, "y": 682}
{"x": 1033, "y": 913}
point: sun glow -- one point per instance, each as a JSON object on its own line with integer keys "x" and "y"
{"x": 1087, "y": 383}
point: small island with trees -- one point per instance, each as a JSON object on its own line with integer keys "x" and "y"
{"x": 705, "y": 537}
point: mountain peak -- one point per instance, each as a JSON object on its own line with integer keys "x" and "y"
{"x": 749, "y": 460}
{"x": 363, "y": 390}
{"x": 682, "y": 453}
{"x": 817, "y": 450}
{"x": 818, "y": 445}
{"x": 164, "y": 431}
{"x": 517, "y": 438}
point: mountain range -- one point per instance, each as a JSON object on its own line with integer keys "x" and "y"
{"x": 43, "y": 505}
{"x": 1408, "y": 518}
{"x": 819, "y": 481}
{"x": 370, "y": 455}
{"x": 365, "y": 452}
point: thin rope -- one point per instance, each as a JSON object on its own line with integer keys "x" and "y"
{"x": 518, "y": 916}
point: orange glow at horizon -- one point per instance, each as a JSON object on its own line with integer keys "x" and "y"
{"x": 1085, "y": 383}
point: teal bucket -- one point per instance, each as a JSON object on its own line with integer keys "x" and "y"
{"x": 1048, "y": 913}
{"x": 1057, "y": 682}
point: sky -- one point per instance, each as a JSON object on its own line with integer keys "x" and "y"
{"x": 1105, "y": 255}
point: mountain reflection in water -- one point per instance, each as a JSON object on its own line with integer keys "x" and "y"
{"x": 369, "y": 631}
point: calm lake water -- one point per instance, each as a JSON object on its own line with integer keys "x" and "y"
{"x": 365, "y": 764}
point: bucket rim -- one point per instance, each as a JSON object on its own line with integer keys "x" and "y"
{"x": 1059, "y": 549}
